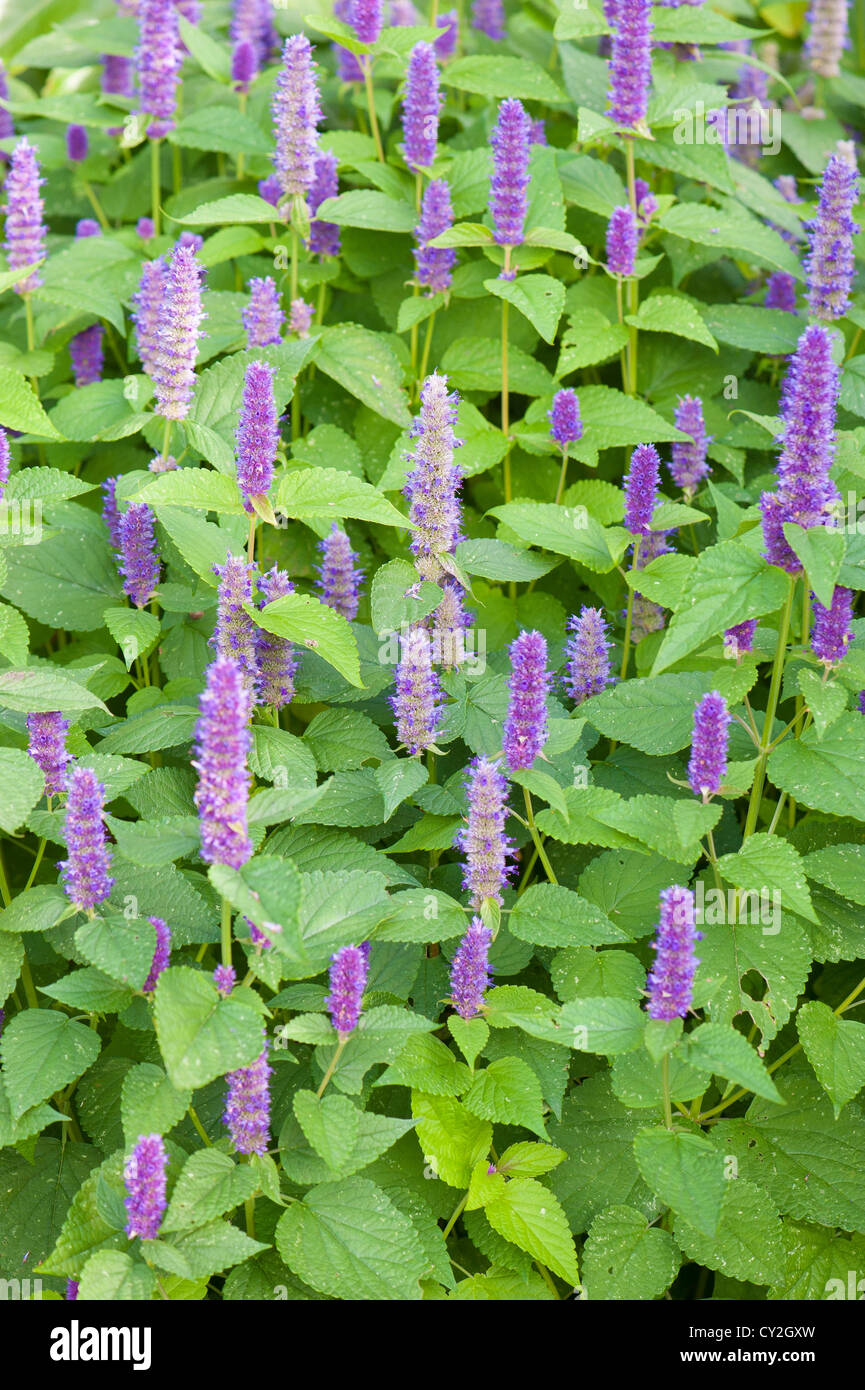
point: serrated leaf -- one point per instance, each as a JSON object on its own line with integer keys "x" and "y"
{"x": 835, "y": 1047}
{"x": 626, "y": 1258}
{"x": 201, "y": 1035}
{"x": 686, "y": 1172}
{"x": 530, "y": 1216}
{"x": 42, "y": 1051}
{"x": 727, "y": 1053}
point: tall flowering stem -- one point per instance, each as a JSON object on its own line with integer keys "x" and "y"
{"x": 417, "y": 702}
{"x": 487, "y": 849}
{"x": 525, "y": 729}
{"x": 641, "y": 492}
{"x": 708, "y": 765}
{"x": 566, "y": 428}
{"x": 178, "y": 331}
{"x": 432, "y": 486}
{"x": 771, "y": 708}
{"x": 470, "y": 970}
{"x": 830, "y": 264}
{"x": 222, "y": 743}
{"x": 85, "y": 872}
{"x": 158, "y": 59}
{"x": 25, "y": 232}
{"x": 508, "y": 205}
{"x": 144, "y": 1176}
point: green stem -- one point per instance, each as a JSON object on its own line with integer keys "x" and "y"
{"x": 665, "y": 1082}
{"x": 455, "y": 1216}
{"x": 36, "y": 863}
{"x": 226, "y": 932}
{"x": 774, "y": 693}
{"x": 199, "y": 1127}
{"x": 366, "y": 63}
{"x": 629, "y": 616}
{"x": 155, "y": 184}
{"x": 241, "y": 101}
{"x": 96, "y": 205}
{"x": 563, "y": 475}
{"x": 426, "y": 350}
{"x": 538, "y": 842}
{"x": 633, "y": 286}
{"x": 505, "y": 401}
{"x": 295, "y": 398}
{"x": 332, "y": 1066}
{"x": 249, "y": 1212}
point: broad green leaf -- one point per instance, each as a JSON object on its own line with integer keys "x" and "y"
{"x": 122, "y": 949}
{"x": 567, "y": 531}
{"x": 210, "y": 1185}
{"x": 239, "y": 207}
{"x": 149, "y": 1103}
{"x": 42, "y": 1051}
{"x": 393, "y": 599}
{"x": 134, "y": 630}
{"x": 42, "y": 688}
{"x": 825, "y": 700}
{"x": 20, "y": 408}
{"x": 328, "y": 494}
{"x": 530, "y": 1216}
{"x": 667, "y": 313}
{"x": 312, "y": 624}
{"x": 539, "y": 298}
{"x": 507, "y": 1092}
{"x": 734, "y": 235}
{"x": 23, "y": 784}
{"x": 822, "y": 554}
{"x": 428, "y": 1065}
{"x": 502, "y": 76}
{"x": 835, "y": 1047}
{"x": 687, "y": 1173}
{"x": 452, "y": 1140}
{"x": 113, "y": 1276}
{"x": 724, "y": 1051}
{"x": 202, "y": 488}
{"x": 839, "y": 867}
{"x": 367, "y": 208}
{"x": 202, "y": 1036}
{"x": 768, "y": 865}
{"x": 548, "y": 914}
{"x": 626, "y": 1258}
{"x": 605, "y": 1025}
{"x": 364, "y": 364}
{"x": 825, "y": 775}
{"x": 748, "y": 1242}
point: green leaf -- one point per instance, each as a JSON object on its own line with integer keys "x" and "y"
{"x": 499, "y": 560}
{"x": 839, "y": 867}
{"x": 625, "y": 1257}
{"x": 825, "y": 775}
{"x": 367, "y": 208}
{"x": 36, "y": 909}
{"x": 328, "y": 494}
{"x": 343, "y": 1138}
{"x": 210, "y": 1185}
{"x": 470, "y": 1036}
{"x": 656, "y": 714}
{"x": 605, "y": 1025}
{"x": 427, "y": 1065}
{"x": 89, "y": 989}
{"x": 686, "y": 1172}
{"x": 507, "y": 1092}
{"x": 502, "y": 76}
{"x": 589, "y": 339}
{"x": 748, "y": 1242}
{"x": 239, "y": 207}
{"x": 392, "y": 600}
{"x": 567, "y": 531}
{"x": 48, "y": 484}
{"x": 547, "y": 914}
{"x": 822, "y": 555}
{"x": 348, "y": 1240}
{"x": 205, "y": 1251}
{"x": 37, "y": 689}
{"x": 221, "y": 128}
{"x": 149, "y": 1104}
{"x": 732, "y": 234}
{"x": 365, "y": 365}
{"x": 825, "y": 700}
{"x": 113, "y": 1276}
{"x": 835, "y": 1047}
{"x": 203, "y": 488}
{"x": 753, "y": 327}
{"x": 42, "y": 1051}
{"x": 530, "y": 1216}
{"x": 23, "y": 784}
{"x": 202, "y": 544}
{"x": 210, "y": 56}
{"x": 202, "y": 1036}
{"x": 725, "y": 1052}
{"x": 766, "y": 864}
{"x": 312, "y": 624}
{"x": 539, "y": 298}
{"x": 452, "y": 1140}
{"x": 20, "y": 408}
{"x": 123, "y": 950}
{"x": 780, "y": 952}
{"x": 668, "y": 313}
{"x": 134, "y": 630}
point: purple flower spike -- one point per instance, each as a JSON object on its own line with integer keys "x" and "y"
{"x": 403, "y": 14}
{"x": 781, "y": 292}
{"x": 434, "y": 263}
{"x": 622, "y": 238}
{"x": 85, "y": 227}
{"x": 300, "y": 315}
{"x": 417, "y": 702}
{"x": 348, "y": 970}
{"x": 708, "y": 765}
{"x": 244, "y": 65}
{"x": 179, "y": 329}
{"x": 510, "y": 180}
{"x": 252, "y": 22}
{"x": 47, "y": 747}
{"x": 7, "y": 125}
{"x": 470, "y": 970}
{"x": 85, "y": 872}
{"x": 630, "y": 63}
{"x": 110, "y": 511}
{"x": 221, "y": 750}
{"x": 323, "y": 236}
{"x": 71, "y": 1293}
{"x": 641, "y": 489}
{"x": 224, "y": 978}
{"x": 25, "y": 233}
{"x": 828, "y": 37}
{"x": 147, "y": 311}
{"x": 77, "y": 143}
{"x": 525, "y": 730}
{"x": 118, "y": 79}
{"x": 860, "y": 702}
{"x": 139, "y": 562}
{"x": 565, "y": 424}
{"x": 538, "y": 133}
{"x": 296, "y": 113}
{"x": 671, "y": 979}
{"x": 144, "y": 1176}
{"x": 448, "y": 626}
{"x": 339, "y": 578}
{"x": 690, "y": 466}
{"x": 257, "y": 433}
{"x": 348, "y": 65}
{"x": 247, "y": 1106}
{"x": 488, "y": 17}
{"x": 366, "y": 16}
{"x": 161, "y": 954}
{"x": 87, "y": 356}
{"x": 830, "y": 264}
{"x": 270, "y": 190}
{"x": 446, "y": 45}
{"x": 421, "y": 106}
{"x": 488, "y": 850}
{"x": 587, "y": 670}
{"x": 263, "y": 318}
{"x": 4, "y": 462}
{"x": 739, "y": 640}
{"x": 277, "y": 658}
{"x": 432, "y": 486}
{"x": 158, "y": 59}
{"x": 257, "y": 937}
{"x": 235, "y": 634}
{"x": 832, "y": 632}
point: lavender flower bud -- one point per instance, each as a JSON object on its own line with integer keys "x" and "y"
{"x": 161, "y": 954}
{"x": 4, "y": 462}
{"x": 830, "y": 263}
{"x": 366, "y": 16}
{"x": 158, "y": 59}
{"x": 139, "y": 562}
{"x": 647, "y": 616}
{"x": 446, "y": 45}
{"x": 86, "y": 227}
{"x": 339, "y": 578}
{"x": 221, "y": 749}
{"x": 487, "y": 849}
{"x": 257, "y": 433}
{"x": 262, "y": 318}
{"x": 739, "y": 640}
{"x": 417, "y": 702}
{"x": 323, "y": 236}
{"x": 179, "y": 328}
{"x": 118, "y": 78}
{"x": 7, "y": 125}
{"x": 348, "y": 969}
{"x": 671, "y": 979}
{"x": 224, "y": 978}
{"x": 148, "y": 311}
{"x": 247, "y": 1105}
{"x": 690, "y": 466}
{"x": 85, "y": 872}
{"x": 296, "y": 113}
{"x": 421, "y": 106}
{"x": 448, "y": 624}
{"x": 87, "y": 356}
{"x": 587, "y": 669}
{"x": 71, "y": 1293}
{"x": 832, "y": 632}
{"x": 434, "y": 263}
{"x": 432, "y": 486}
{"x": 25, "y": 233}
{"x": 270, "y": 190}
{"x": 235, "y": 634}
{"x": 300, "y": 317}
{"x": 348, "y": 64}
{"x": 622, "y": 238}
{"x": 47, "y": 748}
{"x": 252, "y": 22}
{"x": 566, "y": 427}
{"x": 525, "y": 729}
{"x": 244, "y": 65}
{"x": 828, "y": 37}
{"x": 781, "y": 292}
{"x": 708, "y": 765}
{"x": 630, "y": 63}
{"x": 276, "y": 657}
{"x": 641, "y": 489}
{"x": 144, "y": 1176}
{"x": 110, "y": 511}
{"x": 488, "y": 17}
{"x": 257, "y": 937}
{"x": 470, "y": 970}
{"x": 76, "y": 143}
{"x": 510, "y": 180}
